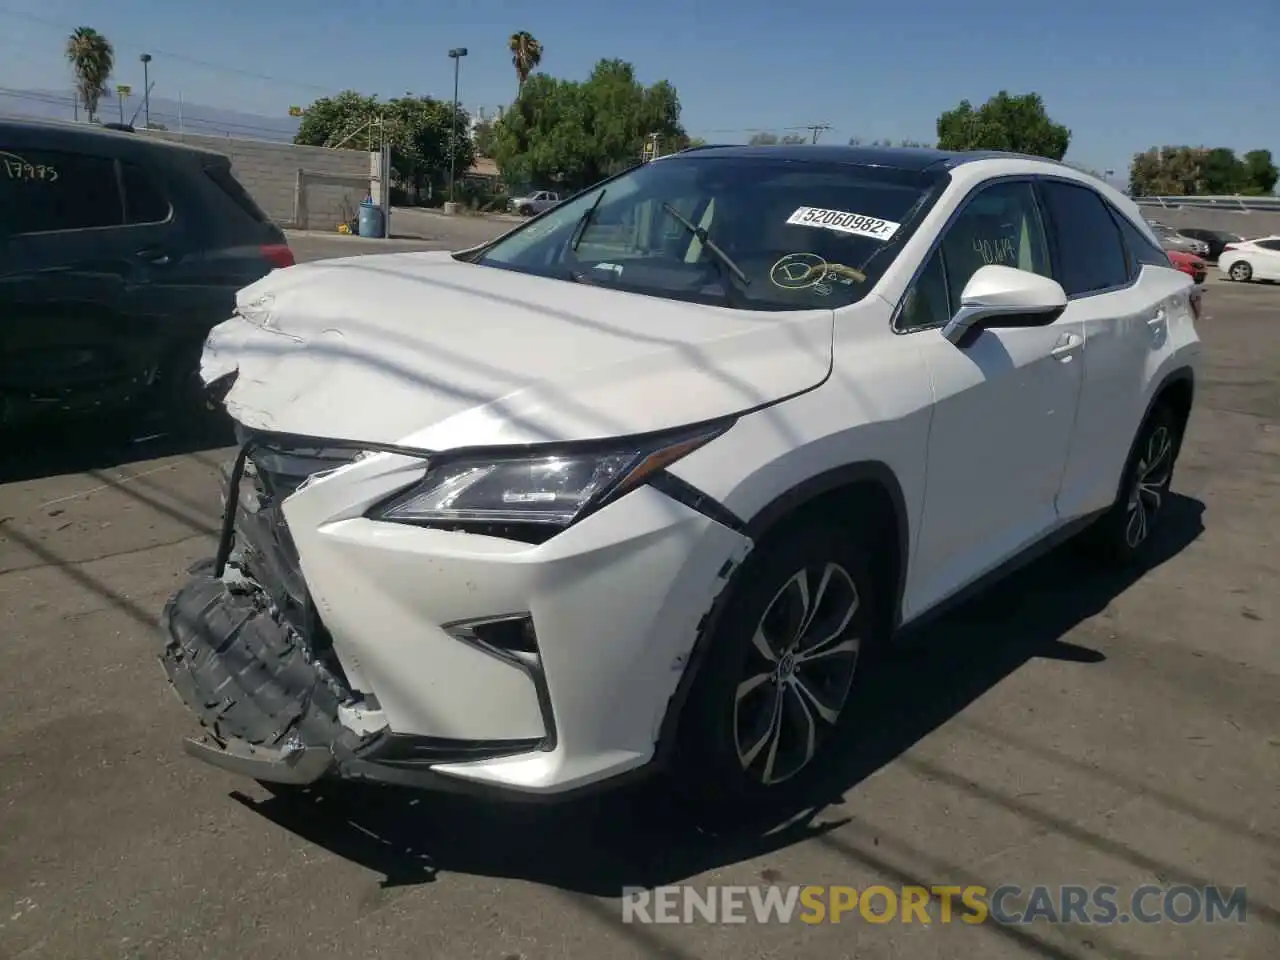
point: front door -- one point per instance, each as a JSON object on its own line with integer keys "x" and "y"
{"x": 1004, "y": 404}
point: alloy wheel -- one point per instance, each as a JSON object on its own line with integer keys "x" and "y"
{"x": 1240, "y": 271}
{"x": 799, "y": 671}
{"x": 1150, "y": 484}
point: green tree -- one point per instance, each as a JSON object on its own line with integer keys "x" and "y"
{"x": 573, "y": 134}
{"x": 1016, "y": 124}
{"x": 483, "y": 138}
{"x": 526, "y": 55}
{"x": 1260, "y": 173}
{"x": 1167, "y": 172}
{"x": 1221, "y": 171}
{"x": 420, "y": 131}
{"x": 763, "y": 139}
{"x": 428, "y": 143}
{"x": 345, "y": 119}
{"x": 92, "y": 59}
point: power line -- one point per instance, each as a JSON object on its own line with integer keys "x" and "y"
{"x": 180, "y": 57}
{"x": 225, "y": 126}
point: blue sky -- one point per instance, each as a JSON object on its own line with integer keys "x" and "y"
{"x": 1122, "y": 75}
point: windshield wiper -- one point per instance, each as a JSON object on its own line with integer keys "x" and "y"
{"x": 706, "y": 241}
{"x": 584, "y": 222}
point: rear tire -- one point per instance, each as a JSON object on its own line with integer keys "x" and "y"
{"x": 1122, "y": 534}
{"x": 1240, "y": 272}
{"x": 788, "y": 651}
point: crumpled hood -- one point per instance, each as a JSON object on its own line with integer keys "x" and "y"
{"x": 423, "y": 350}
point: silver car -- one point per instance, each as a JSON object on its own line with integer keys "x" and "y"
{"x": 1171, "y": 239}
{"x": 535, "y": 202}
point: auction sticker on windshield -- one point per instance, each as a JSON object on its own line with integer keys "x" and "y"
{"x": 842, "y": 221}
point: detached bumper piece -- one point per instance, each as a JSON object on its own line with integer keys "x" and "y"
{"x": 270, "y": 709}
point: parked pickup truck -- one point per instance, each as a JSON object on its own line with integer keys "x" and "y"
{"x": 535, "y": 202}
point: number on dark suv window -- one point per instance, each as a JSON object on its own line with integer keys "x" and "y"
{"x": 47, "y": 190}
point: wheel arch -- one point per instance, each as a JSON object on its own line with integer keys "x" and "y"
{"x": 864, "y": 492}
{"x": 1176, "y": 390}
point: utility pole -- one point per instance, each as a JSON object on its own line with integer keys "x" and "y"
{"x": 816, "y": 129}
{"x": 146, "y": 89}
{"x": 456, "y": 55}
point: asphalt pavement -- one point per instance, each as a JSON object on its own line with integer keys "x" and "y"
{"x": 1072, "y": 727}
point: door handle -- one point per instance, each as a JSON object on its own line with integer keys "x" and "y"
{"x": 1066, "y": 346}
{"x": 1156, "y": 319}
{"x": 158, "y": 257}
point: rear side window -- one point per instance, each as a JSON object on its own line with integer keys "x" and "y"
{"x": 1140, "y": 250}
{"x": 1269, "y": 244}
{"x": 1090, "y": 255}
{"x": 235, "y": 191}
{"x": 48, "y": 190}
{"x": 143, "y": 201}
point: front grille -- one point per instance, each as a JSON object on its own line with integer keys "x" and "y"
{"x": 263, "y": 549}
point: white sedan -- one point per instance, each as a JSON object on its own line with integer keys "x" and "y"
{"x": 1251, "y": 259}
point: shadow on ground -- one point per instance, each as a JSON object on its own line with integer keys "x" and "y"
{"x": 638, "y": 837}
{"x": 81, "y": 447}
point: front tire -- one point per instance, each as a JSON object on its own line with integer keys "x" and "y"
{"x": 1240, "y": 272}
{"x": 1123, "y": 533}
{"x": 788, "y": 651}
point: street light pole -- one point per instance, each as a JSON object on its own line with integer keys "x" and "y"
{"x": 146, "y": 88}
{"x": 456, "y": 54}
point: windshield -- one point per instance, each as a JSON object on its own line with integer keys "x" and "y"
{"x": 756, "y": 234}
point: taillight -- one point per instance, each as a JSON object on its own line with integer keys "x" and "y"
{"x": 1229, "y": 246}
{"x": 278, "y": 255}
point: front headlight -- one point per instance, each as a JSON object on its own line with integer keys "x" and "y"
{"x": 550, "y": 489}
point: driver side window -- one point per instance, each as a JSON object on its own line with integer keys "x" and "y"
{"x": 1000, "y": 225}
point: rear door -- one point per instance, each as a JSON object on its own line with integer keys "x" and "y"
{"x": 1121, "y": 289}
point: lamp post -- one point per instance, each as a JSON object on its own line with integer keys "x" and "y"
{"x": 146, "y": 89}
{"x": 456, "y": 55}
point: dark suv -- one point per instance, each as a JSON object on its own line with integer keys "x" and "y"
{"x": 118, "y": 253}
{"x": 1216, "y": 239}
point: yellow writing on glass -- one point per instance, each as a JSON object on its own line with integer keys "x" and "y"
{"x": 16, "y": 168}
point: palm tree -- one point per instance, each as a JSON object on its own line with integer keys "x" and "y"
{"x": 92, "y": 58}
{"x": 526, "y": 54}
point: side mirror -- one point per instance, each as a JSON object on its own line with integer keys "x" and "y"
{"x": 998, "y": 296}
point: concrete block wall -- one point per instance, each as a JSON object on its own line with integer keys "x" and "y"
{"x": 1253, "y": 223}
{"x": 310, "y": 188}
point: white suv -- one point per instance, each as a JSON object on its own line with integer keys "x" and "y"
{"x": 645, "y": 483}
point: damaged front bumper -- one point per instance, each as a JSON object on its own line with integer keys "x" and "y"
{"x": 271, "y": 710}
{"x": 457, "y": 661}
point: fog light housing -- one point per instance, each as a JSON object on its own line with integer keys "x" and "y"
{"x": 510, "y": 636}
